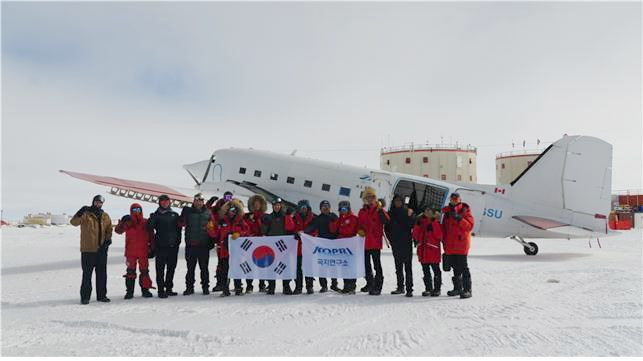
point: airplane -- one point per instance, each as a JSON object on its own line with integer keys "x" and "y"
{"x": 563, "y": 194}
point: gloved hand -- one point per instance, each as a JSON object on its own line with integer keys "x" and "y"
{"x": 457, "y": 217}
{"x": 446, "y": 266}
{"x": 379, "y": 205}
{"x": 151, "y": 253}
{"x": 82, "y": 210}
{"x": 288, "y": 211}
{"x": 105, "y": 245}
{"x": 210, "y": 244}
{"x": 126, "y": 218}
{"x": 415, "y": 243}
{"x": 251, "y": 217}
{"x": 361, "y": 233}
{"x": 235, "y": 235}
{"x": 333, "y": 217}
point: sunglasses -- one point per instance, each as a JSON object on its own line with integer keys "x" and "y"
{"x": 137, "y": 210}
{"x": 227, "y": 197}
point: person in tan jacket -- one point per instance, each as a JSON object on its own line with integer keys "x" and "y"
{"x": 95, "y": 238}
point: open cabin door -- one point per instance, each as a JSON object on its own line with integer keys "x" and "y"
{"x": 382, "y": 184}
{"x": 476, "y": 201}
{"x": 419, "y": 195}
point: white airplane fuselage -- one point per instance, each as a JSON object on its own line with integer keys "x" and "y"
{"x": 498, "y": 211}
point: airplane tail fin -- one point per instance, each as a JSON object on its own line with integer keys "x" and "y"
{"x": 575, "y": 174}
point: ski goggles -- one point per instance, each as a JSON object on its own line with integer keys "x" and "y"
{"x": 343, "y": 209}
{"x": 227, "y": 197}
{"x": 136, "y": 210}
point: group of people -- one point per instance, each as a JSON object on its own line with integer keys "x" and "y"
{"x": 212, "y": 224}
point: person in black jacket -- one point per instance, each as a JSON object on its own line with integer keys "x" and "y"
{"x": 197, "y": 243}
{"x": 321, "y": 225}
{"x": 398, "y": 231}
{"x": 278, "y": 223}
{"x": 164, "y": 222}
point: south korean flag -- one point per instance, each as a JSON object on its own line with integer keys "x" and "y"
{"x": 266, "y": 258}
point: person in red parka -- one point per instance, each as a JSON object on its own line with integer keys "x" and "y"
{"x": 427, "y": 232}
{"x": 371, "y": 221}
{"x": 231, "y": 224}
{"x": 214, "y": 208}
{"x": 345, "y": 227}
{"x": 457, "y": 223}
{"x": 137, "y": 248}
{"x": 257, "y": 207}
{"x": 303, "y": 218}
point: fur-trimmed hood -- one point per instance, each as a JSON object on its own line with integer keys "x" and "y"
{"x": 234, "y": 201}
{"x": 251, "y": 202}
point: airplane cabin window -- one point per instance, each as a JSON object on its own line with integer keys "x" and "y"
{"x": 290, "y": 180}
{"x": 343, "y": 191}
{"x": 258, "y": 173}
{"x": 308, "y": 184}
{"x": 242, "y": 170}
{"x": 326, "y": 187}
{"x": 274, "y": 176}
{"x": 421, "y": 195}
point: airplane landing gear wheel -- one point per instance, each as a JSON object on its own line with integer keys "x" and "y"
{"x": 531, "y": 251}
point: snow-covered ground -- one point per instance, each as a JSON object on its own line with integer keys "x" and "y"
{"x": 517, "y": 309}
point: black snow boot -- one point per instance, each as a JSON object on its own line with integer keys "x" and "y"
{"x": 437, "y": 285}
{"x": 466, "y": 285}
{"x": 262, "y": 286}
{"x": 206, "y": 290}
{"x": 188, "y": 291}
{"x": 398, "y": 291}
{"x": 249, "y": 288}
{"x": 376, "y": 289}
{"x": 170, "y": 292}
{"x": 287, "y": 290}
{"x": 409, "y": 293}
{"x": 146, "y": 293}
{"x": 310, "y": 290}
{"x": 226, "y": 289}
{"x": 218, "y": 287}
{"x": 161, "y": 292}
{"x": 238, "y": 291}
{"x": 334, "y": 287}
{"x": 457, "y": 287}
{"x": 368, "y": 286}
{"x": 428, "y": 286}
{"x": 297, "y": 291}
{"x": 129, "y": 289}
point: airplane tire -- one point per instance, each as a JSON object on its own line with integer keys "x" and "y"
{"x": 529, "y": 252}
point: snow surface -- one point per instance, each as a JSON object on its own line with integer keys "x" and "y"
{"x": 518, "y": 308}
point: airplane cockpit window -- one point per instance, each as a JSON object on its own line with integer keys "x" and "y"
{"x": 242, "y": 170}
{"x": 343, "y": 191}
{"x": 274, "y": 176}
{"x": 420, "y": 195}
{"x": 290, "y": 180}
{"x": 308, "y": 184}
{"x": 258, "y": 173}
{"x": 326, "y": 187}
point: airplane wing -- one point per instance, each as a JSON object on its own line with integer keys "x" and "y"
{"x": 144, "y": 191}
{"x": 269, "y": 196}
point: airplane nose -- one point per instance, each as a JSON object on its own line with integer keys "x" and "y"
{"x": 200, "y": 171}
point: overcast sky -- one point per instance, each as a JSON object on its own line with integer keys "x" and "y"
{"x": 135, "y": 90}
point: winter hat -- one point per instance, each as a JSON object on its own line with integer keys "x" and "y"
{"x": 277, "y": 200}
{"x": 164, "y": 197}
{"x": 369, "y": 191}
{"x": 324, "y": 203}
{"x": 303, "y": 203}
{"x": 345, "y": 204}
{"x": 99, "y": 198}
